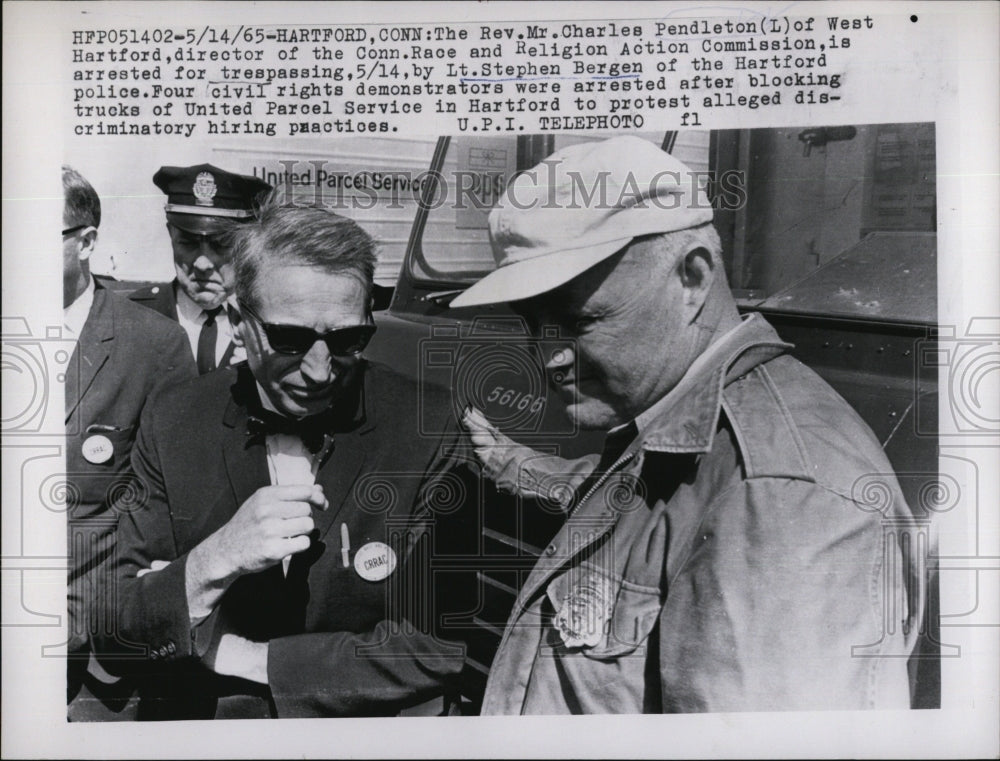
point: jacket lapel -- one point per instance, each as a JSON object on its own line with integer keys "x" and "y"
{"x": 92, "y": 350}
{"x": 227, "y": 356}
{"x": 338, "y": 473}
{"x": 169, "y": 299}
{"x": 337, "y": 477}
{"x": 245, "y": 457}
{"x": 578, "y": 534}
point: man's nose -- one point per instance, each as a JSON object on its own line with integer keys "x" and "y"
{"x": 203, "y": 262}
{"x": 317, "y": 365}
{"x": 208, "y": 256}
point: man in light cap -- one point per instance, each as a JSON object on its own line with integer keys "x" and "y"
{"x": 201, "y": 200}
{"x": 716, "y": 558}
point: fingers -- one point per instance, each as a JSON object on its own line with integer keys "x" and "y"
{"x": 297, "y": 526}
{"x": 156, "y": 565}
{"x": 294, "y": 493}
{"x": 290, "y": 501}
{"x": 474, "y": 420}
{"x": 318, "y": 499}
{"x": 481, "y": 431}
{"x": 296, "y": 544}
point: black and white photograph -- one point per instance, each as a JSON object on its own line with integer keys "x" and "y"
{"x": 501, "y": 380}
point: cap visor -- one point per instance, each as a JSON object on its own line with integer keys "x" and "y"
{"x": 201, "y": 224}
{"x": 533, "y": 277}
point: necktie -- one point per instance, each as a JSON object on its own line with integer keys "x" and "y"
{"x": 311, "y": 429}
{"x": 206, "y": 341}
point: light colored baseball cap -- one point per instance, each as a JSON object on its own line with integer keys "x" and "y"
{"x": 577, "y": 208}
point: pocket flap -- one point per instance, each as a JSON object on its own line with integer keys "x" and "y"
{"x": 601, "y": 616}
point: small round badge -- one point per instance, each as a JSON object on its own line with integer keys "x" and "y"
{"x": 375, "y": 561}
{"x": 97, "y": 449}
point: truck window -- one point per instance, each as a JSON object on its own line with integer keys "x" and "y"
{"x": 837, "y": 221}
{"x": 473, "y": 174}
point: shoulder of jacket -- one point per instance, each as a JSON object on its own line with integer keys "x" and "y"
{"x": 765, "y": 423}
{"x": 146, "y": 325}
{"x": 194, "y": 401}
{"x": 151, "y": 291}
{"x": 790, "y": 423}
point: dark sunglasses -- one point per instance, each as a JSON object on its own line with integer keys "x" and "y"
{"x": 297, "y": 339}
{"x": 71, "y": 230}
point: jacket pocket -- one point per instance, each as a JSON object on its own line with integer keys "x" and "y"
{"x": 602, "y": 617}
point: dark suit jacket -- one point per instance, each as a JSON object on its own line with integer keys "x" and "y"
{"x": 124, "y": 354}
{"x": 339, "y": 645}
{"x": 162, "y": 298}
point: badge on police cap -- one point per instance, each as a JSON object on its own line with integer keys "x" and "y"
{"x": 583, "y": 617}
{"x": 204, "y": 189}
{"x": 375, "y": 561}
{"x": 97, "y": 449}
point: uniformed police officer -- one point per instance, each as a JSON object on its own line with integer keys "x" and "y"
{"x": 200, "y": 201}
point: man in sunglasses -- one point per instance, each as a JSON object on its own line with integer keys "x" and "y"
{"x": 203, "y": 202}
{"x": 276, "y": 568}
{"x": 122, "y": 354}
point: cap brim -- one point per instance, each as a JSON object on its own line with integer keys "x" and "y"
{"x": 200, "y": 224}
{"x": 535, "y": 276}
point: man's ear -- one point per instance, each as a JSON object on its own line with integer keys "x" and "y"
{"x": 88, "y": 242}
{"x": 697, "y": 273}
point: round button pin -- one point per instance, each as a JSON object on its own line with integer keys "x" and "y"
{"x": 97, "y": 449}
{"x": 375, "y": 561}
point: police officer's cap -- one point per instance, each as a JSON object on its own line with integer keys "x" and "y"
{"x": 201, "y": 197}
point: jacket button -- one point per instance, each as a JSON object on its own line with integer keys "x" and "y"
{"x": 550, "y": 550}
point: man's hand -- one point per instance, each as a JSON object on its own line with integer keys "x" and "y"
{"x": 273, "y": 524}
{"x": 156, "y": 565}
{"x": 499, "y": 455}
{"x": 232, "y": 655}
{"x": 517, "y": 469}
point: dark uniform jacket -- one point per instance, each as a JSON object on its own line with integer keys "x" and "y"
{"x": 123, "y": 355}
{"x": 746, "y": 553}
{"x": 162, "y": 298}
{"x": 339, "y": 645}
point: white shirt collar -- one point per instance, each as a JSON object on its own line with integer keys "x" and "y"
{"x": 75, "y": 315}
{"x": 187, "y": 309}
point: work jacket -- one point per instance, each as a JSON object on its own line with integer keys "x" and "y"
{"x": 743, "y": 553}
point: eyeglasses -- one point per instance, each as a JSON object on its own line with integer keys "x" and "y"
{"x": 71, "y": 230}
{"x": 298, "y": 339}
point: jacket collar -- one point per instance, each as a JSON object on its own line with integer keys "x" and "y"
{"x": 685, "y": 420}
